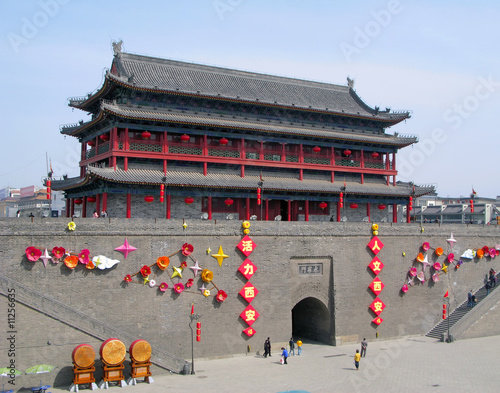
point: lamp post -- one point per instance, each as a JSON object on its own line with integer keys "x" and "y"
{"x": 193, "y": 317}
{"x": 448, "y": 318}
{"x": 261, "y": 186}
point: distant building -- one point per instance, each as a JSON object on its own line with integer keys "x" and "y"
{"x": 31, "y": 200}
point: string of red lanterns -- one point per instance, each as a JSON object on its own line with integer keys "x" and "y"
{"x": 162, "y": 192}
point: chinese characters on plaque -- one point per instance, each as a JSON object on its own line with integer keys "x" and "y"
{"x": 248, "y": 292}
{"x": 376, "y": 266}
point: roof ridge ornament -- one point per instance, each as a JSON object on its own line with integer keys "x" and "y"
{"x": 117, "y": 47}
{"x": 350, "y": 83}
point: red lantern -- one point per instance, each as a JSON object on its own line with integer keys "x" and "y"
{"x": 444, "y": 311}
{"x": 471, "y": 205}
{"x": 347, "y": 152}
{"x": 78, "y": 201}
{"x": 258, "y": 196}
{"x": 149, "y": 198}
{"x": 198, "y": 331}
{"x": 323, "y": 205}
{"x": 375, "y": 154}
{"x": 91, "y": 199}
{"x": 316, "y": 149}
{"x": 185, "y": 138}
{"x": 104, "y": 137}
{"x": 49, "y": 183}
{"x": 91, "y": 143}
{"x": 381, "y": 207}
{"x": 410, "y": 204}
{"x": 223, "y": 141}
{"x": 146, "y": 135}
{"x": 162, "y": 192}
{"x": 341, "y": 199}
{"x": 353, "y": 205}
{"x": 189, "y": 200}
{"x": 228, "y": 201}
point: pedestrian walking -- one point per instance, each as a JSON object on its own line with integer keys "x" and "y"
{"x": 292, "y": 346}
{"x": 299, "y": 346}
{"x": 487, "y": 286}
{"x": 267, "y": 347}
{"x": 473, "y": 300}
{"x": 284, "y": 354}
{"x": 469, "y": 298}
{"x": 364, "y": 345}
{"x": 357, "y": 358}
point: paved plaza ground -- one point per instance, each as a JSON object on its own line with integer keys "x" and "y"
{"x": 417, "y": 364}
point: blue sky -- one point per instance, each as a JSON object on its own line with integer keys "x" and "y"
{"x": 440, "y": 60}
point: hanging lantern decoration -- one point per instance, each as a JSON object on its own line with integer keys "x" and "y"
{"x": 228, "y": 201}
{"x": 149, "y": 198}
{"x": 189, "y": 200}
{"x": 353, "y": 205}
{"x": 104, "y": 137}
{"x": 347, "y": 152}
{"x": 185, "y": 138}
{"x": 91, "y": 143}
{"x": 162, "y": 192}
{"x": 223, "y": 141}
{"x": 258, "y": 196}
{"x": 410, "y": 203}
{"x": 49, "y": 183}
{"x": 323, "y": 205}
{"x": 375, "y": 154}
{"x": 91, "y": 199}
{"x": 381, "y": 207}
{"x": 316, "y": 149}
{"x": 146, "y": 135}
{"x": 341, "y": 199}
{"x": 471, "y": 205}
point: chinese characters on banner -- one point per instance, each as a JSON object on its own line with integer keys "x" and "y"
{"x": 376, "y": 266}
{"x": 248, "y": 292}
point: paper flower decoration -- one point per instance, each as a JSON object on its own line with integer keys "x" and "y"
{"x": 187, "y": 249}
{"x": 163, "y": 262}
{"x": 246, "y": 224}
{"x": 439, "y": 251}
{"x": 413, "y": 271}
{"x": 126, "y": 248}
{"x": 444, "y": 268}
{"x": 221, "y": 296}
{"x": 493, "y": 253}
{"x": 152, "y": 283}
{"x": 103, "y": 262}
{"x": 128, "y": 278}
{"x": 195, "y": 268}
{"x": 420, "y": 257}
{"x": 450, "y": 257}
{"x": 435, "y": 277}
{"x": 71, "y": 261}
{"x": 374, "y": 227}
{"x": 163, "y": 286}
{"x": 184, "y": 264}
{"x": 404, "y": 288}
{"x": 468, "y": 254}
{"x": 177, "y": 272}
{"x": 45, "y": 257}
{"x": 83, "y": 257}
{"x": 57, "y": 253}
{"x": 437, "y": 266}
{"x": 375, "y": 233}
{"x": 426, "y": 246}
{"x": 480, "y": 253}
{"x": 179, "y": 287}
{"x": 71, "y": 226}
{"x": 421, "y": 276}
{"x": 33, "y": 254}
{"x": 246, "y": 231}
{"x": 206, "y": 292}
{"x": 486, "y": 250}
{"x": 207, "y": 275}
{"x": 189, "y": 283}
{"x": 145, "y": 271}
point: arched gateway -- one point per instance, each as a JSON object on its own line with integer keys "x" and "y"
{"x": 311, "y": 319}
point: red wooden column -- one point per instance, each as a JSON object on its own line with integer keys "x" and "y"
{"x": 204, "y": 152}
{"x": 83, "y": 157}
{"x": 261, "y": 151}
{"x": 394, "y": 168}
{"x": 113, "y": 144}
{"x": 338, "y": 211}
{"x": 362, "y": 160}
{"x": 72, "y": 207}
{"x": 267, "y": 209}
{"x": 307, "y": 210}
{"x": 289, "y": 209}
{"x": 209, "y": 207}
{"x": 242, "y": 156}
{"x": 98, "y": 204}
{"x": 67, "y": 207}
{"x": 368, "y": 211}
{"x": 168, "y": 206}
{"x": 129, "y": 205}
{"x": 105, "y": 201}
{"x": 247, "y": 210}
{"x": 408, "y": 218}
{"x": 126, "y": 147}
{"x": 84, "y": 207}
{"x": 283, "y": 153}
{"x": 394, "y": 213}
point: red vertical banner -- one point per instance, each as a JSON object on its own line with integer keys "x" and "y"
{"x": 376, "y": 266}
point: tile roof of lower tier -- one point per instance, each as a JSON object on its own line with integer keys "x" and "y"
{"x": 240, "y": 123}
{"x": 232, "y": 181}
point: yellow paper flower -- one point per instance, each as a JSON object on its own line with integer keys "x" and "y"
{"x": 246, "y": 224}
{"x": 71, "y": 225}
{"x": 375, "y": 227}
{"x": 375, "y": 233}
{"x": 206, "y": 292}
{"x": 207, "y": 275}
{"x": 246, "y": 231}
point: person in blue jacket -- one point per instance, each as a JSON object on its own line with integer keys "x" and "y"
{"x": 285, "y": 355}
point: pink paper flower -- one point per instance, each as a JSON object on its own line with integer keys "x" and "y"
{"x": 128, "y": 278}
{"x": 184, "y": 265}
{"x": 451, "y": 257}
{"x": 189, "y": 283}
{"x": 83, "y": 257}
{"x": 58, "y": 252}
{"x": 221, "y": 296}
{"x": 404, "y": 288}
{"x": 426, "y": 246}
{"x": 437, "y": 266}
{"x": 163, "y": 286}
{"x": 413, "y": 271}
{"x": 33, "y": 254}
{"x": 187, "y": 249}
{"x": 179, "y": 287}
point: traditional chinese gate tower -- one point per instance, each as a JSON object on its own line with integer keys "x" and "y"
{"x": 212, "y": 140}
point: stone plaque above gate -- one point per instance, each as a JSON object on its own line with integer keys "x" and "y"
{"x": 311, "y": 269}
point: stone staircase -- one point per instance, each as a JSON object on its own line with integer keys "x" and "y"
{"x": 80, "y": 321}
{"x": 458, "y": 315}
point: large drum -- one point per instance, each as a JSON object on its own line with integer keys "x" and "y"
{"x": 113, "y": 352}
{"x": 83, "y": 356}
{"x": 140, "y": 351}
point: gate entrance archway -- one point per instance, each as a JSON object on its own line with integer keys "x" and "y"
{"x": 311, "y": 320}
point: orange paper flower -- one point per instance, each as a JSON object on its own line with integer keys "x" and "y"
{"x": 163, "y": 262}
{"x": 439, "y": 251}
{"x": 71, "y": 261}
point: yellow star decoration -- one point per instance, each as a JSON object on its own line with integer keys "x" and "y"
{"x": 146, "y": 280}
{"x": 184, "y": 225}
{"x": 177, "y": 272}
{"x": 209, "y": 250}
{"x": 220, "y": 256}
{"x": 445, "y": 268}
